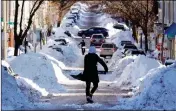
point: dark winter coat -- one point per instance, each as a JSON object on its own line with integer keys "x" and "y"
{"x": 90, "y": 72}
{"x": 82, "y": 44}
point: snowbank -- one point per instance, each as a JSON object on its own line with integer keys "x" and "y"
{"x": 121, "y": 36}
{"x": 119, "y": 67}
{"x": 157, "y": 91}
{"x": 10, "y": 53}
{"x": 12, "y": 97}
{"x": 31, "y": 89}
{"x": 135, "y": 70}
{"x": 71, "y": 54}
{"x": 40, "y": 70}
{"x": 115, "y": 59}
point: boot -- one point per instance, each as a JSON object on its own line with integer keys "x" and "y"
{"x": 89, "y": 99}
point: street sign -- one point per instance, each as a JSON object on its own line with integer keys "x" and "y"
{"x": 11, "y": 23}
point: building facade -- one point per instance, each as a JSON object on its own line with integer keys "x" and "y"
{"x": 169, "y": 9}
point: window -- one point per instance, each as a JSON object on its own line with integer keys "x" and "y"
{"x": 107, "y": 46}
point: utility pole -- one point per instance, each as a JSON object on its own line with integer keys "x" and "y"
{"x": 162, "y": 45}
{"x": 4, "y": 50}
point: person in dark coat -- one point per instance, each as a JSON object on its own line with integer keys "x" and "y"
{"x": 90, "y": 72}
{"x": 83, "y": 44}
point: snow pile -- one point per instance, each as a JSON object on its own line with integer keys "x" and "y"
{"x": 10, "y": 51}
{"x": 30, "y": 89}
{"x": 70, "y": 54}
{"x": 12, "y": 97}
{"x": 119, "y": 67}
{"x": 158, "y": 91}
{"x": 134, "y": 71}
{"x": 59, "y": 32}
{"x": 112, "y": 31}
{"x": 122, "y": 36}
{"x": 38, "y": 68}
{"x": 115, "y": 59}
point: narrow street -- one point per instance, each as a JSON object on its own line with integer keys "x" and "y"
{"x": 105, "y": 96}
{"x": 128, "y": 46}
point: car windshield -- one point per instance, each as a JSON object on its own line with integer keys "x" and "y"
{"x": 107, "y": 46}
{"x": 130, "y": 47}
{"x": 97, "y": 28}
{"x": 126, "y": 42}
{"x": 137, "y": 52}
{"x": 97, "y": 36}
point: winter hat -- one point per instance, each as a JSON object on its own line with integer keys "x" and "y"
{"x": 92, "y": 49}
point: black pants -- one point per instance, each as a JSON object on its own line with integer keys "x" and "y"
{"x": 83, "y": 51}
{"x": 95, "y": 86}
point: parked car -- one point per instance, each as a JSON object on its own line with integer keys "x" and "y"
{"x": 72, "y": 17}
{"x": 125, "y": 43}
{"x": 107, "y": 49}
{"x": 119, "y": 26}
{"x": 134, "y": 52}
{"x": 129, "y": 46}
{"x": 62, "y": 41}
{"x": 97, "y": 39}
{"x": 74, "y": 11}
{"x": 94, "y": 30}
{"x": 169, "y": 62}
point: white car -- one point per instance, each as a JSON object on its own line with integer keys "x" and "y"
{"x": 107, "y": 49}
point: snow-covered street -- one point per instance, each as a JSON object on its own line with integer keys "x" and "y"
{"x": 42, "y": 80}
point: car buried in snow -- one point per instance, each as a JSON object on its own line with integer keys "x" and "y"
{"x": 94, "y": 30}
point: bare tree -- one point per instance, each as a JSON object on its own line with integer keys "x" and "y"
{"x": 63, "y": 5}
{"x": 140, "y": 13}
{"x": 19, "y": 36}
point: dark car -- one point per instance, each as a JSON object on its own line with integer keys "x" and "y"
{"x": 129, "y": 46}
{"x": 94, "y": 30}
{"x": 125, "y": 43}
{"x": 119, "y": 26}
{"x": 73, "y": 18}
{"x": 169, "y": 62}
{"x": 135, "y": 52}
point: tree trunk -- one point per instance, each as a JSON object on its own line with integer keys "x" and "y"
{"x": 59, "y": 19}
{"x": 146, "y": 42}
{"x": 25, "y": 45}
{"x": 17, "y": 44}
{"x": 134, "y": 33}
{"x": 141, "y": 40}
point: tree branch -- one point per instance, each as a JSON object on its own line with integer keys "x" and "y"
{"x": 30, "y": 19}
{"x": 16, "y": 19}
{"x": 21, "y": 31}
{"x": 33, "y": 6}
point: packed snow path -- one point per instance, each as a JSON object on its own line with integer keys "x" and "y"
{"x": 104, "y": 98}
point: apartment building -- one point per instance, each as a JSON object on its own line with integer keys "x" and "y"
{"x": 38, "y": 19}
{"x": 170, "y": 29}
